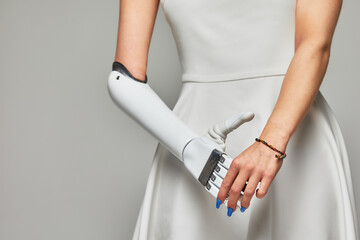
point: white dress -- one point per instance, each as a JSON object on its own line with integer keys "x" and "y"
{"x": 234, "y": 55}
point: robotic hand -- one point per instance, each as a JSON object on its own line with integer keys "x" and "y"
{"x": 203, "y": 156}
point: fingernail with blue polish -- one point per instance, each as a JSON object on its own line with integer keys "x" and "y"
{"x": 242, "y": 209}
{"x": 230, "y": 211}
{"x": 218, "y": 203}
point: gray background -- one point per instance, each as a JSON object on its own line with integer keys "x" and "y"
{"x": 73, "y": 166}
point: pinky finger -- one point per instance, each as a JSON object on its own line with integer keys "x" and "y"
{"x": 264, "y": 187}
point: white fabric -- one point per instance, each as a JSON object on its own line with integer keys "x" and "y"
{"x": 232, "y": 39}
{"x": 234, "y": 55}
{"x": 310, "y": 198}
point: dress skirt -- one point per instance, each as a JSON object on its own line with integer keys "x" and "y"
{"x": 310, "y": 198}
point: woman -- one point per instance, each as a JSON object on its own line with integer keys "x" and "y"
{"x": 267, "y": 57}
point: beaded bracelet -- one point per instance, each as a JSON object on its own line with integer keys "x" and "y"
{"x": 283, "y": 155}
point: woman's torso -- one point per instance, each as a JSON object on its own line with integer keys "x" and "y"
{"x": 232, "y": 39}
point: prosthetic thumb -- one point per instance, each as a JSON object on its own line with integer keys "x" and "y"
{"x": 219, "y": 131}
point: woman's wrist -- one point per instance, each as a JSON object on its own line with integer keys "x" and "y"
{"x": 276, "y": 135}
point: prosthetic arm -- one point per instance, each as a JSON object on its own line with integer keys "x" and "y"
{"x": 203, "y": 156}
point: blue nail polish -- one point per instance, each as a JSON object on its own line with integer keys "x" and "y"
{"x": 218, "y": 203}
{"x": 242, "y": 209}
{"x": 230, "y": 211}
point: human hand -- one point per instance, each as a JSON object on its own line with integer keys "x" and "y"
{"x": 205, "y": 157}
{"x": 256, "y": 164}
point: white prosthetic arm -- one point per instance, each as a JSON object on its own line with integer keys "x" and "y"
{"x": 203, "y": 156}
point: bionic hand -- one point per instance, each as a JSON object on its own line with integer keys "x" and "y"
{"x": 203, "y": 156}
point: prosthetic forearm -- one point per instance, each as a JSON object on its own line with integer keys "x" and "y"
{"x": 203, "y": 156}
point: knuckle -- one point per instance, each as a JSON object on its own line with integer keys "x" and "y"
{"x": 246, "y": 205}
{"x": 225, "y": 184}
{"x": 261, "y": 193}
{"x": 249, "y": 166}
{"x": 236, "y": 163}
{"x": 269, "y": 174}
{"x": 248, "y": 193}
{"x": 260, "y": 171}
{"x": 235, "y": 190}
{"x": 221, "y": 196}
{"x": 231, "y": 202}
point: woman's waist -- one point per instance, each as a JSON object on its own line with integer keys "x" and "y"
{"x": 233, "y": 75}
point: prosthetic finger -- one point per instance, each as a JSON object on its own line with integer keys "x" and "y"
{"x": 225, "y": 161}
{"x": 220, "y": 171}
{"x": 212, "y": 188}
{"x": 216, "y": 180}
{"x": 219, "y": 131}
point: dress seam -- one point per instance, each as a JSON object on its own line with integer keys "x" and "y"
{"x": 220, "y": 77}
{"x": 232, "y": 79}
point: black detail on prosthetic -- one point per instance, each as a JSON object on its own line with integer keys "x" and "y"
{"x": 119, "y": 67}
{"x": 243, "y": 190}
{"x": 209, "y": 167}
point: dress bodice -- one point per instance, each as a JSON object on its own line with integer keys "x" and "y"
{"x": 232, "y": 39}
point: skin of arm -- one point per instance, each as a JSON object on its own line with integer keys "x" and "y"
{"x": 136, "y": 25}
{"x": 315, "y": 22}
